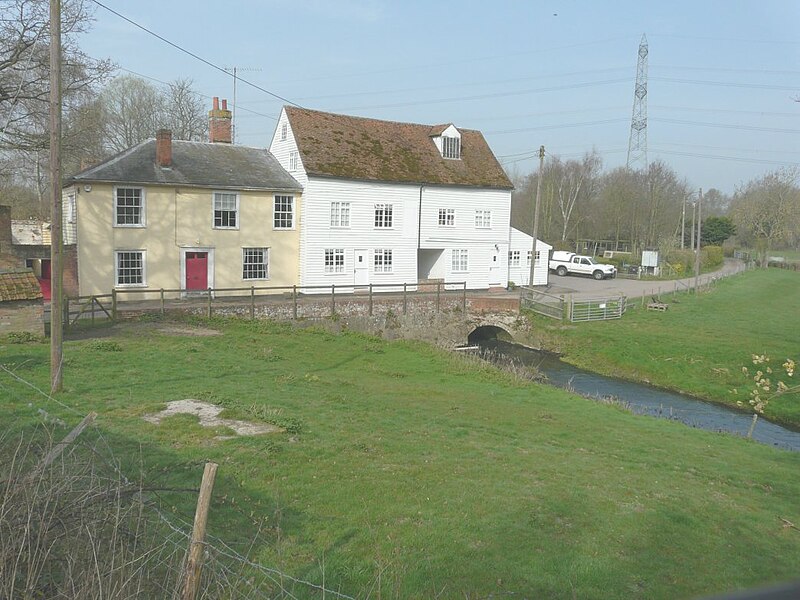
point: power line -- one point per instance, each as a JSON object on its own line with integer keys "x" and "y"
{"x": 560, "y": 126}
{"x": 726, "y": 125}
{"x": 193, "y": 55}
{"x": 757, "y": 86}
{"x": 758, "y": 161}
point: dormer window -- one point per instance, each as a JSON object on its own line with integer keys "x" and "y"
{"x": 451, "y": 147}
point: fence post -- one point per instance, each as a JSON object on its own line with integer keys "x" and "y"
{"x": 91, "y": 303}
{"x": 194, "y": 564}
{"x": 438, "y": 294}
{"x": 294, "y": 302}
{"x": 163, "y": 309}
{"x": 370, "y": 299}
{"x": 252, "y": 302}
{"x": 66, "y": 313}
{"x": 209, "y": 303}
{"x": 405, "y": 299}
{"x": 333, "y": 299}
{"x": 464, "y": 299}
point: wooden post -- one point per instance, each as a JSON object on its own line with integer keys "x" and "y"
{"x": 209, "y": 303}
{"x": 370, "y": 299}
{"x": 405, "y": 299}
{"x": 752, "y": 426}
{"x": 61, "y": 446}
{"x": 294, "y": 302}
{"x": 92, "y": 301}
{"x": 464, "y": 299}
{"x": 252, "y": 302}
{"x": 194, "y": 563}
{"x": 163, "y": 310}
{"x": 438, "y": 294}
{"x": 333, "y": 299}
{"x": 56, "y": 225}
{"x": 114, "y": 305}
{"x": 65, "y": 316}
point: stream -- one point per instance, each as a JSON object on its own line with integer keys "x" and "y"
{"x": 642, "y": 398}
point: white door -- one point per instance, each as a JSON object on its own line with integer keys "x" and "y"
{"x": 361, "y": 265}
{"x": 494, "y": 267}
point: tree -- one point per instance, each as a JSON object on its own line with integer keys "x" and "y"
{"x": 767, "y": 210}
{"x": 135, "y": 109}
{"x": 715, "y": 230}
{"x": 24, "y": 69}
{"x": 575, "y": 184}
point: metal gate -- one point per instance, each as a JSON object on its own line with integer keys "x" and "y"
{"x": 596, "y": 309}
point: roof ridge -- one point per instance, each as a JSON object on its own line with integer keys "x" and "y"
{"x": 359, "y": 118}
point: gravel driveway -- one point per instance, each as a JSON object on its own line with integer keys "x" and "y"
{"x": 586, "y": 287}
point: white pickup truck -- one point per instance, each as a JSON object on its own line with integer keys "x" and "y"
{"x": 564, "y": 263}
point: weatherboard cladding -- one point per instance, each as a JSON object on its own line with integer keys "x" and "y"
{"x": 342, "y": 146}
{"x": 197, "y": 164}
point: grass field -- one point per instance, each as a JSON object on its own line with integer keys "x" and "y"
{"x": 700, "y": 344}
{"x": 407, "y": 472}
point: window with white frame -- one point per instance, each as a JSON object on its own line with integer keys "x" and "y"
{"x": 129, "y": 207}
{"x": 451, "y": 147}
{"x": 513, "y": 258}
{"x": 383, "y": 215}
{"x": 447, "y": 217}
{"x": 283, "y": 213}
{"x": 71, "y": 209}
{"x": 294, "y": 160}
{"x": 382, "y": 260}
{"x": 255, "y": 263}
{"x": 129, "y": 268}
{"x": 334, "y": 260}
{"x": 459, "y": 262}
{"x": 529, "y": 258}
{"x": 483, "y": 219}
{"x": 226, "y": 210}
{"x": 340, "y": 214}
{"x": 538, "y": 256}
{"x": 284, "y": 131}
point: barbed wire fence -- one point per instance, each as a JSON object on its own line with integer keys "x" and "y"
{"x": 82, "y": 528}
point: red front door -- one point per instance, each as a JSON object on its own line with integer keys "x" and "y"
{"x": 197, "y": 270}
{"x": 44, "y": 280}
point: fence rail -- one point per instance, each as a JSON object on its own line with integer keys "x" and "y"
{"x": 290, "y": 301}
{"x": 542, "y": 303}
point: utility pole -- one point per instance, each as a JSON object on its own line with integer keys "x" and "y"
{"x": 536, "y": 214}
{"x": 683, "y": 223}
{"x": 234, "y": 71}
{"x": 56, "y": 235}
{"x": 697, "y": 255}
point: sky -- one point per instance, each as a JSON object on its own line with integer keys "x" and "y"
{"x": 722, "y": 78}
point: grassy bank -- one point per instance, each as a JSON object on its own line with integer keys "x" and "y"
{"x": 406, "y": 472}
{"x": 700, "y": 344}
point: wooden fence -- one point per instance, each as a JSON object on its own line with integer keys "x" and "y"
{"x": 293, "y": 301}
{"x": 542, "y": 303}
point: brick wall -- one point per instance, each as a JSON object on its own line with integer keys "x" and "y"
{"x": 27, "y": 315}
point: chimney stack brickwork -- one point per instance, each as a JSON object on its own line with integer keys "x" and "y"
{"x": 164, "y": 148}
{"x": 219, "y": 123}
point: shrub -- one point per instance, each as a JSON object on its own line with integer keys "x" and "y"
{"x": 711, "y": 256}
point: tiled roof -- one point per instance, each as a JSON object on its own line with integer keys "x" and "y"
{"x": 197, "y": 164}
{"x": 334, "y": 145}
{"x": 19, "y": 285}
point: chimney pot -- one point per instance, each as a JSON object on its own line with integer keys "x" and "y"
{"x": 219, "y": 123}
{"x": 164, "y": 148}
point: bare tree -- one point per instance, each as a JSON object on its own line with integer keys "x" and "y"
{"x": 575, "y": 185}
{"x": 133, "y": 111}
{"x": 768, "y": 210}
{"x": 186, "y": 114}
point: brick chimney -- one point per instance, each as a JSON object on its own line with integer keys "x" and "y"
{"x": 219, "y": 123}
{"x": 164, "y": 148}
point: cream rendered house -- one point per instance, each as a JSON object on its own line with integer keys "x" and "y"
{"x": 184, "y": 216}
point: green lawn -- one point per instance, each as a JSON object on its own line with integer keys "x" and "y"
{"x": 412, "y": 473}
{"x": 699, "y": 345}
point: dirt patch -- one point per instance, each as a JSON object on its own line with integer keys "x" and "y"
{"x": 208, "y": 415}
{"x": 188, "y": 331}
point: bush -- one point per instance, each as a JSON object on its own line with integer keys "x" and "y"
{"x": 711, "y": 256}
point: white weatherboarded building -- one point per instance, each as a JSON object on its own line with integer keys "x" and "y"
{"x": 519, "y": 259}
{"x": 393, "y": 203}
